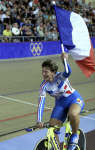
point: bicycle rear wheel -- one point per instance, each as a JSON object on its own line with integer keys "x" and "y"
{"x": 82, "y": 140}
{"x": 43, "y": 145}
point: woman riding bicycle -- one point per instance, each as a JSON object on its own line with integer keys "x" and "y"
{"x": 67, "y": 100}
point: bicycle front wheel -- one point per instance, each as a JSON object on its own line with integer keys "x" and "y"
{"x": 43, "y": 145}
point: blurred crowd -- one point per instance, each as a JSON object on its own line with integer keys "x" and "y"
{"x": 36, "y": 18}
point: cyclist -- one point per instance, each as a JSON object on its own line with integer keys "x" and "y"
{"x": 67, "y": 99}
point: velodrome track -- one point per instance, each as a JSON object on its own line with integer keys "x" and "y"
{"x": 19, "y": 99}
{"x": 28, "y": 141}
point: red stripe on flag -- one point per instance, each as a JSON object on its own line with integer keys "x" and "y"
{"x": 87, "y": 65}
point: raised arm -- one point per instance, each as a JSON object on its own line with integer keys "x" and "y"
{"x": 66, "y": 74}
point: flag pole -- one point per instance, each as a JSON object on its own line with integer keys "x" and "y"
{"x": 65, "y": 61}
{"x": 62, "y": 46}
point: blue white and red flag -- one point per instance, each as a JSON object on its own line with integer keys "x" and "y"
{"x": 75, "y": 38}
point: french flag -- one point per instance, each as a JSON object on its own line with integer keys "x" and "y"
{"x": 75, "y": 38}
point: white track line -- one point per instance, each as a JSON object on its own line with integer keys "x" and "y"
{"x": 87, "y": 117}
{"x": 20, "y": 101}
{"x": 28, "y": 103}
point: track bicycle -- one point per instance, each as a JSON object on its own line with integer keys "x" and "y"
{"x": 50, "y": 143}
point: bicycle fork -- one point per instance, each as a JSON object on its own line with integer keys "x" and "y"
{"x": 67, "y": 135}
{"x": 52, "y": 142}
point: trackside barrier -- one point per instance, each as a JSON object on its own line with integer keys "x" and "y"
{"x": 31, "y": 49}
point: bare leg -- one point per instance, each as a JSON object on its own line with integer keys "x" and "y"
{"x": 74, "y": 117}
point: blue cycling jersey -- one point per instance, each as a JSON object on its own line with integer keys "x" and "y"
{"x": 59, "y": 87}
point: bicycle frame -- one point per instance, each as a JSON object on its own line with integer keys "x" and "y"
{"x": 52, "y": 142}
{"x": 67, "y": 134}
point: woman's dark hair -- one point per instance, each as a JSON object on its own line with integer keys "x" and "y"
{"x": 51, "y": 65}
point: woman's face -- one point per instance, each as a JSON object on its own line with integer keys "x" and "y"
{"x": 47, "y": 74}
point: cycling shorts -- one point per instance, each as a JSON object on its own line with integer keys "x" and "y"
{"x": 63, "y": 104}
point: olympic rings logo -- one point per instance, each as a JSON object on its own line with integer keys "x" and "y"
{"x": 36, "y": 48}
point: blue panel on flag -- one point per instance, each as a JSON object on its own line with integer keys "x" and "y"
{"x": 93, "y": 41}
